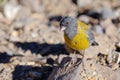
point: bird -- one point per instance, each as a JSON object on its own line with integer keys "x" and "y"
{"x": 77, "y": 35}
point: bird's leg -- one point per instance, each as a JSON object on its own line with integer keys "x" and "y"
{"x": 83, "y": 58}
{"x": 74, "y": 52}
{"x": 83, "y": 52}
{"x": 75, "y": 57}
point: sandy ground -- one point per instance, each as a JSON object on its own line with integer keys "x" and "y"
{"x": 31, "y": 43}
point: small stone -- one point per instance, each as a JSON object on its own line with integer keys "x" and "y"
{"x": 28, "y": 53}
{"x": 4, "y": 42}
{"x": 115, "y": 66}
{"x": 18, "y": 25}
{"x": 31, "y": 63}
{"x": 107, "y": 13}
{"x": 83, "y": 3}
{"x": 34, "y": 35}
{"x": 11, "y": 46}
{"x": 11, "y": 10}
{"x": 94, "y": 73}
{"x": 98, "y": 29}
{"x": 15, "y": 33}
{"x": 113, "y": 60}
{"x": 54, "y": 57}
{"x": 102, "y": 59}
{"x": 14, "y": 36}
{"x": 84, "y": 18}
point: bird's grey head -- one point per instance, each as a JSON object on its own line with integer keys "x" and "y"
{"x": 69, "y": 26}
{"x": 67, "y": 22}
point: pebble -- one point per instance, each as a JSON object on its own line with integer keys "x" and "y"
{"x": 18, "y": 25}
{"x": 11, "y": 10}
{"x": 14, "y": 36}
{"x": 98, "y": 29}
{"x": 83, "y": 3}
{"x": 30, "y": 63}
{"x": 107, "y": 13}
{"x": 112, "y": 57}
{"x": 84, "y": 18}
{"x": 26, "y": 21}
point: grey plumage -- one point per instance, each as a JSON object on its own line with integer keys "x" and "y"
{"x": 71, "y": 26}
{"x": 71, "y": 29}
{"x": 71, "y": 32}
{"x": 91, "y": 38}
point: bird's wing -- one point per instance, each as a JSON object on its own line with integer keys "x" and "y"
{"x": 91, "y": 38}
{"x": 90, "y": 35}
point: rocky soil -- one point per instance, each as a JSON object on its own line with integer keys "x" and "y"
{"x": 31, "y": 45}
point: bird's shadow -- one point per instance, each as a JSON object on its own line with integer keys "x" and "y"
{"x": 5, "y": 57}
{"x": 23, "y": 72}
{"x": 44, "y": 49}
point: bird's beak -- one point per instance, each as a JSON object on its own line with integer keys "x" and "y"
{"x": 62, "y": 28}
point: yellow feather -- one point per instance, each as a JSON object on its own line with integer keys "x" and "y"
{"x": 83, "y": 25}
{"x": 80, "y": 40}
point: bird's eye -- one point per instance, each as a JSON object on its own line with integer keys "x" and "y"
{"x": 67, "y": 23}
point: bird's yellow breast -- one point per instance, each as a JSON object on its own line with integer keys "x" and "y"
{"x": 80, "y": 40}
